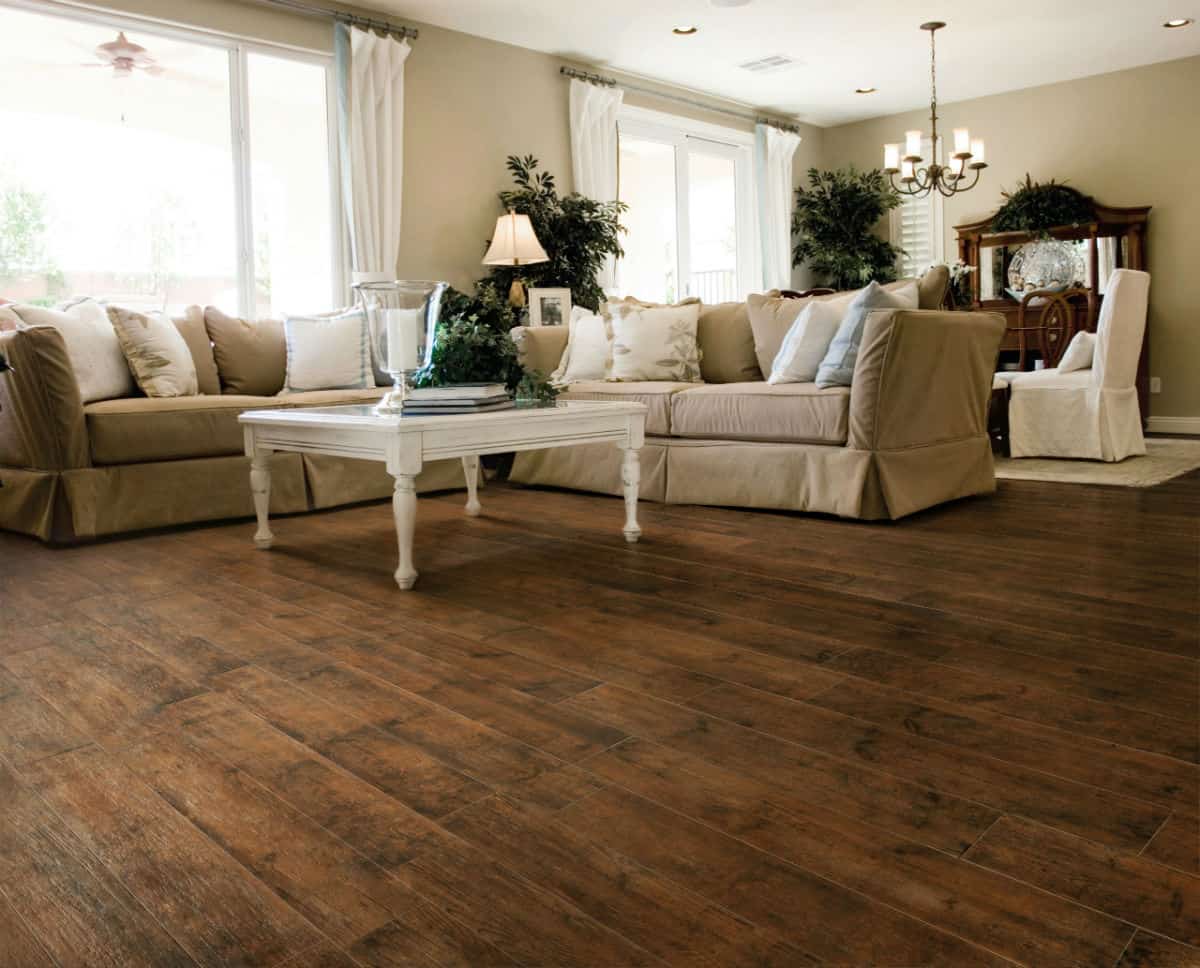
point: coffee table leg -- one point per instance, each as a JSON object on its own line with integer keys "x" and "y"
{"x": 404, "y": 510}
{"x": 260, "y": 487}
{"x": 471, "y": 471}
{"x": 631, "y": 476}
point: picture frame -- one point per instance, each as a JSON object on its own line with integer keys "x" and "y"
{"x": 549, "y": 307}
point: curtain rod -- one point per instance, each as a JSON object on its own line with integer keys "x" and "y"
{"x": 603, "y": 81}
{"x": 367, "y": 23}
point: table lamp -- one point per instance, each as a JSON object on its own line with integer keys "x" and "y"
{"x": 515, "y": 244}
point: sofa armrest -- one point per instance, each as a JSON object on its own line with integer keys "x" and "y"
{"x": 922, "y": 378}
{"x": 540, "y": 347}
{"x": 41, "y": 415}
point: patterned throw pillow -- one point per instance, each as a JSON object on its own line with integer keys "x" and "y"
{"x": 655, "y": 344}
{"x": 156, "y": 352}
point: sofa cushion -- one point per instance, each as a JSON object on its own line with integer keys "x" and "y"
{"x": 791, "y": 412}
{"x": 140, "y": 429}
{"x": 656, "y": 395}
{"x": 251, "y": 357}
{"x": 191, "y": 328}
{"x": 727, "y": 344}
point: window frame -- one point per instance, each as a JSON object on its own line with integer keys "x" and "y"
{"x": 684, "y": 134}
{"x": 238, "y": 49}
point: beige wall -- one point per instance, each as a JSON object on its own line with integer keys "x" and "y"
{"x": 1127, "y": 138}
{"x": 469, "y": 103}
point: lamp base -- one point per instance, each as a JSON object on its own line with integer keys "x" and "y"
{"x": 516, "y": 294}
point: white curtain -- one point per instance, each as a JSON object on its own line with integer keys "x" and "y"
{"x": 371, "y": 146}
{"x": 773, "y": 149}
{"x": 594, "y": 148}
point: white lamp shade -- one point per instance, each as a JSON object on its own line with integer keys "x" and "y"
{"x": 514, "y": 243}
{"x": 979, "y": 156}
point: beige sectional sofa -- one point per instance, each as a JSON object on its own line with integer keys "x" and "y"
{"x": 72, "y": 471}
{"x": 910, "y": 432}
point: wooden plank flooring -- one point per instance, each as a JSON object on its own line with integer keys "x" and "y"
{"x": 968, "y": 738}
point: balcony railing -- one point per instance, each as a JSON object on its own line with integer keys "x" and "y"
{"x": 714, "y": 285}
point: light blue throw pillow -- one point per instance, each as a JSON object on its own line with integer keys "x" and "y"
{"x": 837, "y": 369}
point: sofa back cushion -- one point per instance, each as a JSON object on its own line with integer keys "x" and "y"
{"x": 727, "y": 344}
{"x": 191, "y": 328}
{"x": 251, "y": 356}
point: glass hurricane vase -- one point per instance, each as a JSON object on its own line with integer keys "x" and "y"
{"x": 402, "y": 317}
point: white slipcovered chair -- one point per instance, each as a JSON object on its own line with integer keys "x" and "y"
{"x": 1091, "y": 414}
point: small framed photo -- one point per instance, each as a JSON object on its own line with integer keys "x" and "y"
{"x": 549, "y": 307}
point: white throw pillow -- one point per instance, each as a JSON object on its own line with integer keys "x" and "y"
{"x": 156, "y": 352}
{"x": 589, "y": 344}
{"x": 656, "y": 344}
{"x": 806, "y": 343}
{"x": 327, "y": 353}
{"x": 92, "y": 347}
{"x": 1079, "y": 353}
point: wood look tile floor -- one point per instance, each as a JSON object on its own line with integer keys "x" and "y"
{"x": 968, "y": 738}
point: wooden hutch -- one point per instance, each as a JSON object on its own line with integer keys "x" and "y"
{"x": 1114, "y": 239}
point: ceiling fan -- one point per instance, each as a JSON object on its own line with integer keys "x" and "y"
{"x": 125, "y": 57}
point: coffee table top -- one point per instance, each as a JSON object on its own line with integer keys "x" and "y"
{"x": 364, "y": 416}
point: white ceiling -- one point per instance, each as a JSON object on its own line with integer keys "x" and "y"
{"x": 990, "y": 46}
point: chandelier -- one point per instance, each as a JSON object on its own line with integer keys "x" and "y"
{"x": 946, "y": 179}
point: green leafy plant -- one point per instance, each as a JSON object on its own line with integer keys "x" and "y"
{"x": 474, "y": 345}
{"x": 834, "y": 226}
{"x": 578, "y": 234}
{"x": 1038, "y": 207}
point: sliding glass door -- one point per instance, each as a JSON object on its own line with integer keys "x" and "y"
{"x": 691, "y": 214}
{"x": 155, "y": 167}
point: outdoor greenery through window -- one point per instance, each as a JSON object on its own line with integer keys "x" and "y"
{"x": 194, "y": 171}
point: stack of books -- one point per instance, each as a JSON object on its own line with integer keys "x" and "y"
{"x": 460, "y": 398}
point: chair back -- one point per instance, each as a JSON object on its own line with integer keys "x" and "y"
{"x": 1120, "y": 330}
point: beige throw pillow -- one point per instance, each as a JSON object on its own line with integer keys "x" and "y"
{"x": 156, "y": 352}
{"x": 727, "y": 344}
{"x": 251, "y": 357}
{"x": 191, "y": 328}
{"x": 656, "y": 344}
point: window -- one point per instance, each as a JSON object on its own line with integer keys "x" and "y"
{"x": 691, "y": 217}
{"x": 916, "y": 228}
{"x": 196, "y": 171}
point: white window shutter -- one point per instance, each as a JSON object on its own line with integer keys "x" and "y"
{"x": 916, "y": 228}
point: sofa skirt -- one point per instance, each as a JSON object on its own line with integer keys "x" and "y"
{"x": 595, "y": 468}
{"x": 817, "y": 478}
{"x": 92, "y": 502}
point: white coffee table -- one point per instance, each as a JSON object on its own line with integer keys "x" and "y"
{"x": 405, "y": 443}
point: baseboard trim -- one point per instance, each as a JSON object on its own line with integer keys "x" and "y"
{"x": 1173, "y": 425}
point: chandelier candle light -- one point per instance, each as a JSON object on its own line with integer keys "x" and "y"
{"x": 946, "y": 179}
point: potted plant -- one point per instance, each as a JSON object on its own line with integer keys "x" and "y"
{"x": 834, "y": 225}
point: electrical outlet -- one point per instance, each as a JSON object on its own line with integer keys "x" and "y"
{"x": 1156, "y": 384}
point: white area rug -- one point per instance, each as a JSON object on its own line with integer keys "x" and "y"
{"x": 1165, "y": 458}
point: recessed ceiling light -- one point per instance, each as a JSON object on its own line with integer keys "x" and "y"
{"x": 684, "y": 31}
{"x": 864, "y": 90}
{"x": 1179, "y": 22}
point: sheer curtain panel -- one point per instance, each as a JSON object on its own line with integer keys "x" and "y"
{"x": 774, "y": 149}
{"x": 370, "y": 100}
{"x": 594, "y": 148}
